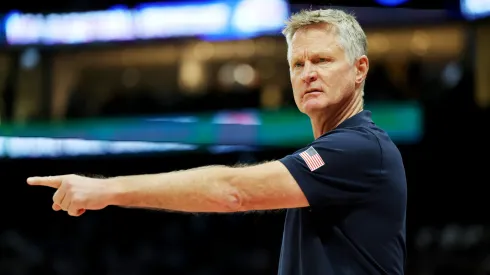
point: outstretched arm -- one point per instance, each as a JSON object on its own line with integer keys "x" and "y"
{"x": 212, "y": 189}
{"x": 206, "y": 189}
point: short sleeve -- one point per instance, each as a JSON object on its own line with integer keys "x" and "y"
{"x": 339, "y": 169}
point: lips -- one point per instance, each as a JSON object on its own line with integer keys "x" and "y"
{"x": 312, "y": 91}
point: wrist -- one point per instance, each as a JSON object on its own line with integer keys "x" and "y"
{"x": 115, "y": 192}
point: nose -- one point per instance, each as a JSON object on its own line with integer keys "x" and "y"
{"x": 309, "y": 75}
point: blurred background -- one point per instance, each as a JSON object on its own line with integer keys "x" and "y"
{"x": 121, "y": 87}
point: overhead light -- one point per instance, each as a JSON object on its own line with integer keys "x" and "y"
{"x": 391, "y": 3}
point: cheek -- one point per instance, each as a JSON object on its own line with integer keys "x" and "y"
{"x": 338, "y": 79}
{"x": 295, "y": 85}
{"x": 349, "y": 80}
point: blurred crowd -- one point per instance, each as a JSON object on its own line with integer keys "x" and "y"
{"x": 147, "y": 242}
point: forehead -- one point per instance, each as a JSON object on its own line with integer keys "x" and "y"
{"x": 313, "y": 39}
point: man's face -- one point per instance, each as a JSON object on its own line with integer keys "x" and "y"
{"x": 321, "y": 74}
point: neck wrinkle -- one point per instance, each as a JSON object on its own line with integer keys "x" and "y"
{"x": 332, "y": 119}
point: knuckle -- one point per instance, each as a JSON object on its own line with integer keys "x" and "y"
{"x": 69, "y": 186}
{"x": 78, "y": 200}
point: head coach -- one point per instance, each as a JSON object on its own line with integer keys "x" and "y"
{"x": 345, "y": 193}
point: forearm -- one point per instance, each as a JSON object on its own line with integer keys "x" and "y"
{"x": 205, "y": 189}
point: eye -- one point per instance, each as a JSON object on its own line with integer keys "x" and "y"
{"x": 323, "y": 60}
{"x": 298, "y": 64}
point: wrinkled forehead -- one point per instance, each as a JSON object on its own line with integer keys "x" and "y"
{"x": 313, "y": 40}
{"x": 325, "y": 28}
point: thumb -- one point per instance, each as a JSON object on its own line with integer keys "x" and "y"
{"x": 51, "y": 181}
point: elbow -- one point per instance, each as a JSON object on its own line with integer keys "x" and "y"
{"x": 235, "y": 186}
{"x": 233, "y": 201}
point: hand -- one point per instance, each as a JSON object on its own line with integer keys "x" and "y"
{"x": 75, "y": 194}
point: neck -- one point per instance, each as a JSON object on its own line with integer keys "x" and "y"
{"x": 334, "y": 116}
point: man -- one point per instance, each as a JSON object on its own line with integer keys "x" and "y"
{"x": 345, "y": 192}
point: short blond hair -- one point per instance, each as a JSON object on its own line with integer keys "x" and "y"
{"x": 350, "y": 33}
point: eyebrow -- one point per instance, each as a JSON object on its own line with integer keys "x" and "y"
{"x": 316, "y": 54}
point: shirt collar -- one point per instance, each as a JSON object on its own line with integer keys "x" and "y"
{"x": 361, "y": 118}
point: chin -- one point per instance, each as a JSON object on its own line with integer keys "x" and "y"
{"x": 313, "y": 106}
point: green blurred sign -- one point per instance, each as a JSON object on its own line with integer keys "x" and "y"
{"x": 283, "y": 127}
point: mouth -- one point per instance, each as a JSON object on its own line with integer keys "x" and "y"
{"x": 312, "y": 91}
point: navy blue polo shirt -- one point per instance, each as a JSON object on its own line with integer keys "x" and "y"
{"x": 354, "y": 180}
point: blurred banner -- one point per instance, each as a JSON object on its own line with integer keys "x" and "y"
{"x": 210, "y": 20}
{"x": 230, "y": 129}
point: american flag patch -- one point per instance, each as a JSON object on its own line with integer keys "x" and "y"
{"x": 312, "y": 159}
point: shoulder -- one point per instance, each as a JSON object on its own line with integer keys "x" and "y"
{"x": 354, "y": 141}
{"x": 342, "y": 167}
{"x": 344, "y": 152}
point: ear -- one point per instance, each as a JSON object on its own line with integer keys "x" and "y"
{"x": 362, "y": 66}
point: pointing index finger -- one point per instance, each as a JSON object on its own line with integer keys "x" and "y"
{"x": 51, "y": 181}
